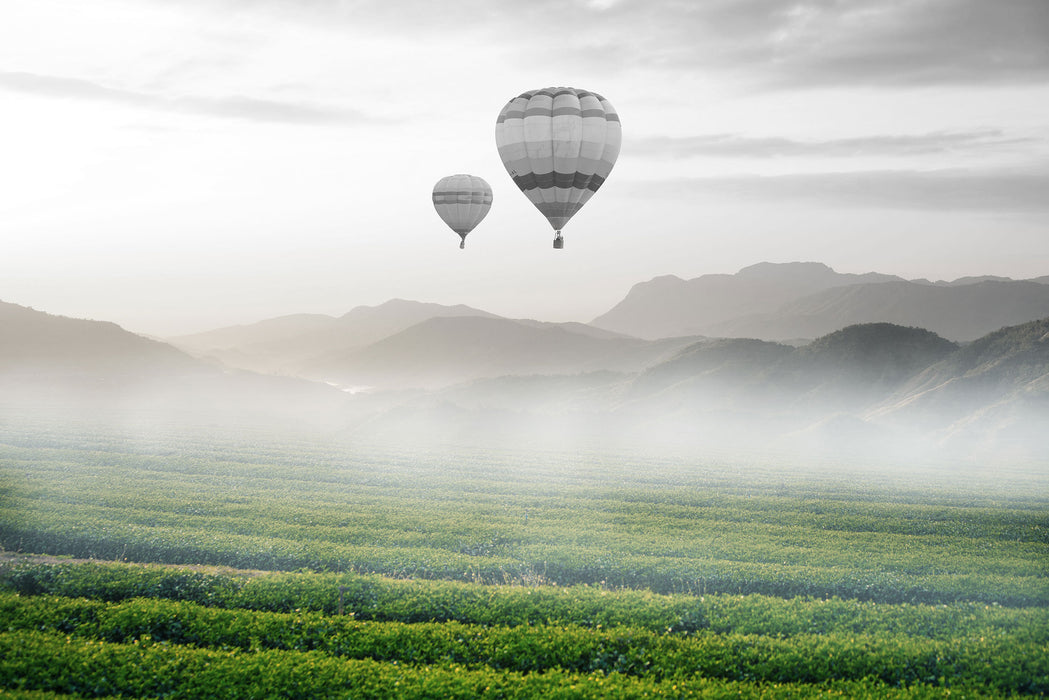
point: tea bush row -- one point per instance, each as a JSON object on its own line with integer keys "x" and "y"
{"x": 657, "y": 573}
{"x": 372, "y": 597}
{"x": 43, "y": 663}
{"x": 670, "y": 528}
{"x": 1000, "y": 661}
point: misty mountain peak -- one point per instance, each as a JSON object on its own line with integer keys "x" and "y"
{"x": 980, "y": 278}
{"x": 415, "y": 310}
{"x": 791, "y": 270}
{"x": 658, "y": 284}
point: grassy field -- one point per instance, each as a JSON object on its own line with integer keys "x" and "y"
{"x": 217, "y": 562}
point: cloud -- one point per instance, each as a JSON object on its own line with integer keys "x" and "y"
{"x": 739, "y": 146}
{"x": 767, "y": 43}
{"x": 1003, "y": 190}
{"x": 879, "y": 42}
{"x": 937, "y": 41}
{"x": 771, "y": 43}
{"x": 230, "y": 106}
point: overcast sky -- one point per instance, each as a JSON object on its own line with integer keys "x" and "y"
{"x": 179, "y": 166}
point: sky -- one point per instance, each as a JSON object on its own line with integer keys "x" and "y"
{"x": 177, "y": 167}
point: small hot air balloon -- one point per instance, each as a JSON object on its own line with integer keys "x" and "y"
{"x": 462, "y": 201}
{"x": 559, "y": 145}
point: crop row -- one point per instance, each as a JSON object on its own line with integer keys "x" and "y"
{"x": 690, "y": 542}
{"x": 303, "y": 527}
{"x": 998, "y": 661}
{"x": 593, "y": 520}
{"x": 562, "y": 566}
{"x": 507, "y": 493}
{"x": 34, "y": 661}
{"x": 372, "y": 597}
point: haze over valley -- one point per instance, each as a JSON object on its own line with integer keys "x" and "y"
{"x": 836, "y": 364}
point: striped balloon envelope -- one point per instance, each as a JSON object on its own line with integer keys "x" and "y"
{"x": 462, "y": 201}
{"x": 559, "y": 145}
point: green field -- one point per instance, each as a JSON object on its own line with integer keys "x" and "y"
{"x": 217, "y": 562}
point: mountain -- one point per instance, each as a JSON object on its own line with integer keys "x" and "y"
{"x": 846, "y": 370}
{"x": 1002, "y": 375}
{"x": 721, "y": 394}
{"x": 36, "y": 343}
{"x": 283, "y": 345}
{"x": 867, "y": 389}
{"x": 84, "y": 365}
{"x": 715, "y": 369}
{"x": 851, "y": 368}
{"x": 449, "y": 349}
{"x": 269, "y": 331}
{"x": 958, "y": 312}
{"x": 790, "y": 301}
{"x": 872, "y": 354}
{"x": 669, "y": 306}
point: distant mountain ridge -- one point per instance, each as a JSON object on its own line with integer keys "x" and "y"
{"x": 33, "y": 341}
{"x": 806, "y": 300}
{"x": 446, "y": 350}
{"x": 781, "y": 302}
{"x": 849, "y": 368}
{"x": 864, "y": 389}
{"x": 65, "y": 362}
{"x": 285, "y": 344}
{"x": 668, "y": 306}
{"x": 405, "y": 343}
{"x": 958, "y": 312}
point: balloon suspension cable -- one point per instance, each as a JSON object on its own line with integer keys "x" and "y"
{"x": 559, "y": 240}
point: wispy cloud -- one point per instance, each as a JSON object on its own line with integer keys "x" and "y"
{"x": 1005, "y": 190}
{"x": 229, "y": 106}
{"x": 773, "y": 44}
{"x": 740, "y": 146}
{"x": 877, "y": 42}
{"x": 900, "y": 43}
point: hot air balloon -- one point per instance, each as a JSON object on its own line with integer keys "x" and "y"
{"x": 462, "y": 201}
{"x": 559, "y": 145}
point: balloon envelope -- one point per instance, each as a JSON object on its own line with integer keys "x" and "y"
{"x": 559, "y": 145}
{"x": 462, "y": 201}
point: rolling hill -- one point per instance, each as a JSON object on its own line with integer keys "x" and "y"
{"x": 37, "y": 343}
{"x": 957, "y": 312}
{"x": 994, "y": 387}
{"x": 446, "y": 350}
{"x": 83, "y": 365}
{"x": 846, "y": 370}
{"x": 866, "y": 391}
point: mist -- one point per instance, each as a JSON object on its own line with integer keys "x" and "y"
{"x": 872, "y": 394}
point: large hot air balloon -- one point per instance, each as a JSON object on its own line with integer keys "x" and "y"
{"x": 559, "y": 145}
{"x": 462, "y": 201}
